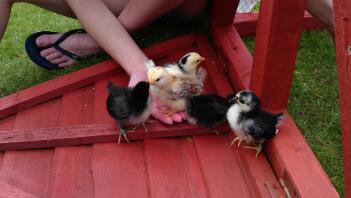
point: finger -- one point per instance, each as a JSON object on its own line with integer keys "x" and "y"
{"x": 184, "y": 115}
{"x": 176, "y": 117}
{"x": 162, "y": 117}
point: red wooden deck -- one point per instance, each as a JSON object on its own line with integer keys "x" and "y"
{"x": 189, "y": 166}
{"x": 53, "y": 117}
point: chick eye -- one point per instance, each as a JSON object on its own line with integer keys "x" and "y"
{"x": 242, "y": 101}
{"x": 157, "y": 79}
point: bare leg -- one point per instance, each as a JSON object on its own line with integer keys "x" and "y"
{"x": 323, "y": 11}
{"x": 5, "y": 10}
{"x": 109, "y": 32}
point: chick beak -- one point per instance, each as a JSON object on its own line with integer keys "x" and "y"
{"x": 202, "y": 59}
{"x": 151, "y": 82}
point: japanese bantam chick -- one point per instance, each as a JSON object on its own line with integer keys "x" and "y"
{"x": 173, "y": 82}
{"x": 207, "y": 110}
{"x": 250, "y": 122}
{"x": 128, "y": 106}
{"x": 186, "y": 66}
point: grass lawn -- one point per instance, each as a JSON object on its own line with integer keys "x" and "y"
{"x": 313, "y": 102}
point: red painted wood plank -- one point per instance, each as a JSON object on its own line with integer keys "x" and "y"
{"x": 263, "y": 179}
{"x": 295, "y": 163}
{"x": 7, "y": 123}
{"x": 71, "y": 175}
{"x": 30, "y": 170}
{"x": 78, "y": 107}
{"x": 89, "y": 134}
{"x": 223, "y": 12}
{"x": 246, "y": 23}
{"x": 173, "y": 168}
{"x": 343, "y": 51}
{"x": 216, "y": 76}
{"x": 119, "y": 170}
{"x": 234, "y": 55}
{"x": 224, "y": 173}
{"x": 223, "y": 163}
{"x": 11, "y": 191}
{"x": 1, "y": 158}
{"x": 53, "y": 88}
{"x": 278, "y": 33}
{"x": 165, "y": 48}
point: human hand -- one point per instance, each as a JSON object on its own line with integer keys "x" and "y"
{"x": 158, "y": 112}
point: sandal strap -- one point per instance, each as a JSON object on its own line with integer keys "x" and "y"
{"x": 64, "y": 37}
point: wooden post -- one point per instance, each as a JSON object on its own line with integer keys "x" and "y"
{"x": 278, "y": 32}
{"x": 223, "y": 12}
{"x": 342, "y": 11}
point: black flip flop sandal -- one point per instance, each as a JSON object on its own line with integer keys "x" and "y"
{"x": 33, "y": 50}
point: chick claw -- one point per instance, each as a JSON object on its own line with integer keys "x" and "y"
{"x": 239, "y": 139}
{"x": 258, "y": 148}
{"x": 123, "y": 133}
{"x": 215, "y": 131}
{"x": 138, "y": 125}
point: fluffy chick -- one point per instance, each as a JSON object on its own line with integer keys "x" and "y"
{"x": 250, "y": 122}
{"x": 207, "y": 110}
{"x": 175, "y": 81}
{"x": 128, "y": 106}
{"x": 163, "y": 86}
{"x": 186, "y": 66}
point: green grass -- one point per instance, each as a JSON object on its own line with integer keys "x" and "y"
{"x": 313, "y": 102}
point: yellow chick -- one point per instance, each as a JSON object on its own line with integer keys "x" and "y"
{"x": 172, "y": 83}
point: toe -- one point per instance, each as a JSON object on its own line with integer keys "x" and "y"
{"x": 67, "y": 63}
{"x": 47, "y": 52}
{"x": 53, "y": 56}
{"x": 59, "y": 60}
{"x": 46, "y": 40}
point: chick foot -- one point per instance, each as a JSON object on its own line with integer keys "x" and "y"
{"x": 122, "y": 133}
{"x": 239, "y": 139}
{"x": 138, "y": 125}
{"x": 258, "y": 148}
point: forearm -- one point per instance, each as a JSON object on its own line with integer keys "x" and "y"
{"x": 5, "y": 10}
{"x": 109, "y": 33}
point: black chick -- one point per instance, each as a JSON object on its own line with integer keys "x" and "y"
{"x": 128, "y": 106}
{"x": 207, "y": 110}
{"x": 250, "y": 122}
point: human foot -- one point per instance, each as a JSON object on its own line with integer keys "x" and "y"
{"x": 80, "y": 44}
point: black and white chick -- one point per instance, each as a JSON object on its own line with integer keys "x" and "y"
{"x": 207, "y": 110}
{"x": 250, "y": 122}
{"x": 129, "y": 106}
